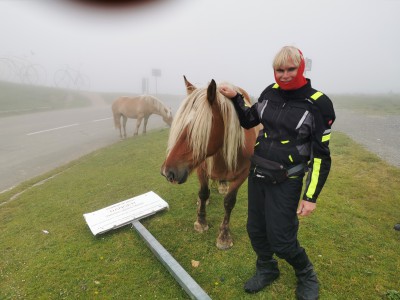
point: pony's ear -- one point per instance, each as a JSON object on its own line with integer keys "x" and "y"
{"x": 189, "y": 87}
{"x": 212, "y": 92}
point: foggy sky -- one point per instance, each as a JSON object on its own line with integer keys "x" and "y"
{"x": 353, "y": 45}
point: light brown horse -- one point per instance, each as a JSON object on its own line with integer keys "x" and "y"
{"x": 206, "y": 134}
{"x": 139, "y": 108}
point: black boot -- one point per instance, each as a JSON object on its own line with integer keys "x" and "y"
{"x": 266, "y": 272}
{"x": 307, "y": 282}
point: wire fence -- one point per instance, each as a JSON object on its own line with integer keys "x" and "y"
{"x": 22, "y": 70}
{"x": 70, "y": 78}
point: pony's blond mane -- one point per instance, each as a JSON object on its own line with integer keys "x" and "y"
{"x": 158, "y": 105}
{"x": 195, "y": 114}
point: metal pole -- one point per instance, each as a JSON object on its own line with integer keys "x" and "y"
{"x": 184, "y": 279}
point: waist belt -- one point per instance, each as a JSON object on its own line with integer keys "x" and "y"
{"x": 272, "y": 165}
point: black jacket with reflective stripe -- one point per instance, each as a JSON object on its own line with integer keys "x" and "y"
{"x": 296, "y": 129}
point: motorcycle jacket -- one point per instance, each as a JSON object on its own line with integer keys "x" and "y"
{"x": 296, "y": 130}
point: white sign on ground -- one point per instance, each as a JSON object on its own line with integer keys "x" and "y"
{"x": 125, "y": 212}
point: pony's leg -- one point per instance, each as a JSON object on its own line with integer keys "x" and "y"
{"x": 145, "y": 124}
{"x": 204, "y": 193}
{"x": 224, "y": 239}
{"x": 119, "y": 127}
{"x": 138, "y": 122}
{"x": 124, "y": 120}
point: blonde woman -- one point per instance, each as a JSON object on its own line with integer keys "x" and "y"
{"x": 296, "y": 121}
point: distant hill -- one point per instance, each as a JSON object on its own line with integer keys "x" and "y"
{"x": 21, "y": 99}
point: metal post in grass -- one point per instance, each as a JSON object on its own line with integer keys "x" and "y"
{"x": 130, "y": 212}
{"x": 184, "y": 279}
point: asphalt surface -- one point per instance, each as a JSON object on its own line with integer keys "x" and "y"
{"x": 378, "y": 134}
{"x": 32, "y": 144}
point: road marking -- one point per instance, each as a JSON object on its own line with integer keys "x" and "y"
{"x": 66, "y": 126}
{"x": 98, "y": 120}
{"x": 56, "y": 128}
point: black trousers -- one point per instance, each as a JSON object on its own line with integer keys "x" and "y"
{"x": 272, "y": 223}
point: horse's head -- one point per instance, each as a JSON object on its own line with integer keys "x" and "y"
{"x": 197, "y": 132}
{"x": 167, "y": 116}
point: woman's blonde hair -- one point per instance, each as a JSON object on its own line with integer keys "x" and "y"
{"x": 286, "y": 55}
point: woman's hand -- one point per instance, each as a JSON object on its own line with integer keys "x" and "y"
{"x": 227, "y": 91}
{"x": 306, "y": 208}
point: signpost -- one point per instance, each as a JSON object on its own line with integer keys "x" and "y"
{"x": 145, "y": 85}
{"x": 156, "y": 73}
{"x": 130, "y": 212}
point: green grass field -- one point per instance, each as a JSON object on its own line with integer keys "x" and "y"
{"x": 21, "y": 99}
{"x": 380, "y": 104}
{"x": 350, "y": 237}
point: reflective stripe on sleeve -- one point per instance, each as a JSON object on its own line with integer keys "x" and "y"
{"x": 314, "y": 178}
{"x": 326, "y": 137}
{"x": 316, "y": 95}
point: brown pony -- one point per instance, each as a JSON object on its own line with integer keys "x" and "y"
{"x": 206, "y": 134}
{"x": 140, "y": 108}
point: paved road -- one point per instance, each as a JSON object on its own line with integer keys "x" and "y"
{"x": 378, "y": 134}
{"x": 33, "y": 144}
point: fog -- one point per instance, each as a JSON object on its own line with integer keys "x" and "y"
{"x": 353, "y": 45}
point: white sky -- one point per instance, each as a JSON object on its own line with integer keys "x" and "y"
{"x": 354, "y": 45}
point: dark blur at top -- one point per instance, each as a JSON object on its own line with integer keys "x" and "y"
{"x": 114, "y": 4}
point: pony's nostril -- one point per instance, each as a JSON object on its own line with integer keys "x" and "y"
{"x": 171, "y": 176}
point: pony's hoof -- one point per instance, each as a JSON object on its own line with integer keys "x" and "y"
{"x": 224, "y": 245}
{"x": 200, "y": 227}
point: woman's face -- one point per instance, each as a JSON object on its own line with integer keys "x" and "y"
{"x": 286, "y": 73}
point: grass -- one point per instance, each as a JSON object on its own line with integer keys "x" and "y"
{"x": 350, "y": 237}
{"x": 380, "y": 104}
{"x": 19, "y": 99}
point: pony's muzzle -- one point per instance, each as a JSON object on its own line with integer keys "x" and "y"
{"x": 174, "y": 176}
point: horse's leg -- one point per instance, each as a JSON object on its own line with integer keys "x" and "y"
{"x": 145, "y": 124}
{"x": 117, "y": 121}
{"x": 224, "y": 239}
{"x": 204, "y": 193}
{"x": 124, "y": 120}
{"x": 138, "y": 122}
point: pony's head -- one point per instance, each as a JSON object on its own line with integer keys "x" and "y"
{"x": 167, "y": 116}
{"x": 204, "y": 125}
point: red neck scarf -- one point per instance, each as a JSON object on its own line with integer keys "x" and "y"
{"x": 298, "y": 81}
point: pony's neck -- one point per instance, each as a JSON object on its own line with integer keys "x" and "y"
{"x": 160, "y": 109}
